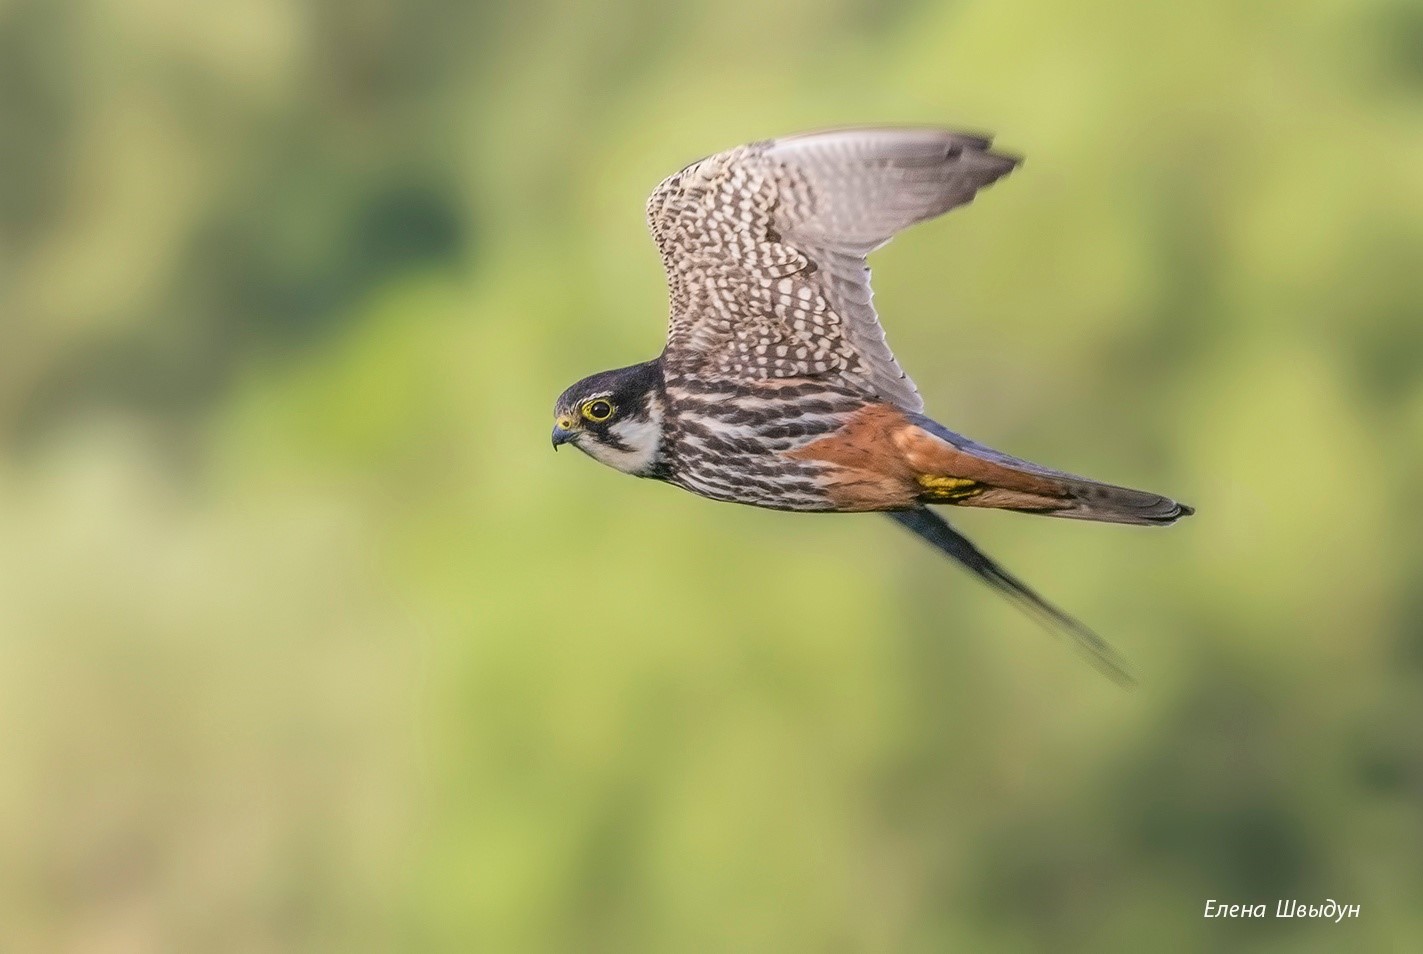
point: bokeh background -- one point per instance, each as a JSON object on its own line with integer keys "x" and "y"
{"x": 309, "y": 643}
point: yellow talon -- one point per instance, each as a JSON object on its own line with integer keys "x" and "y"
{"x": 949, "y": 488}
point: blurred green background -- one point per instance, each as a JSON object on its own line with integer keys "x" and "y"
{"x": 309, "y": 643}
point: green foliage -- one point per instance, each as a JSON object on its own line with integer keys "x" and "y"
{"x": 308, "y": 642}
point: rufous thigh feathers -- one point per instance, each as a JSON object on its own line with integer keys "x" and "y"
{"x": 882, "y": 459}
{"x": 867, "y": 471}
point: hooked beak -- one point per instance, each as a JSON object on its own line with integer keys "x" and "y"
{"x": 562, "y": 435}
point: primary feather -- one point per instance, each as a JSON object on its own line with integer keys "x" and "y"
{"x": 765, "y": 248}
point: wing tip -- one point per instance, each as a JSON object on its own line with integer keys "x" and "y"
{"x": 976, "y": 140}
{"x": 1000, "y": 165}
{"x": 1095, "y": 650}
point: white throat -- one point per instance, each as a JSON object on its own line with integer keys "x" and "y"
{"x": 641, "y": 436}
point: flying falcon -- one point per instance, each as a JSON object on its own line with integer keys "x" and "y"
{"x": 777, "y": 388}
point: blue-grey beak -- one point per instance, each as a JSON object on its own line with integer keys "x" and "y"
{"x": 562, "y": 435}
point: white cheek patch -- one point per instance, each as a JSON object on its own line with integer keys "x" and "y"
{"x": 643, "y": 438}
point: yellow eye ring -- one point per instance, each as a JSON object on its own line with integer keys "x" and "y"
{"x": 598, "y": 410}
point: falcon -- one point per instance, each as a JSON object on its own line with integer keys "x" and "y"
{"x": 777, "y": 388}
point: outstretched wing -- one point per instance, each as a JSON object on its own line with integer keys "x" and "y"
{"x": 765, "y": 248}
{"x": 936, "y": 531}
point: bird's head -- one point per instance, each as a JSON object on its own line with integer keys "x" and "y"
{"x": 615, "y": 417}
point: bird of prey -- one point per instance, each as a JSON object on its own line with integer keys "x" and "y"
{"x": 777, "y": 388}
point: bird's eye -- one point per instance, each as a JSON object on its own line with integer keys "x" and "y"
{"x": 597, "y": 411}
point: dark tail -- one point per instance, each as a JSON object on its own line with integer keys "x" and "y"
{"x": 1091, "y": 500}
{"x": 1004, "y": 482}
{"x": 936, "y": 530}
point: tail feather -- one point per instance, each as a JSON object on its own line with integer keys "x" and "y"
{"x": 934, "y": 529}
{"x": 1010, "y": 483}
{"x": 1091, "y": 500}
